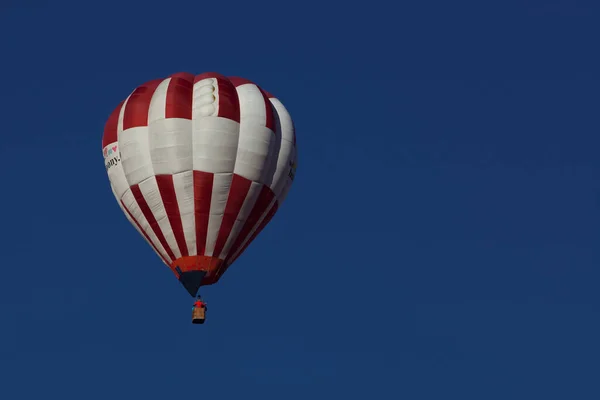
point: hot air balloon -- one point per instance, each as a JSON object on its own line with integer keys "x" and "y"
{"x": 199, "y": 165}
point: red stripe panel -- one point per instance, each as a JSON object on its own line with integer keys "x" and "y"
{"x": 166, "y": 187}
{"x": 184, "y": 75}
{"x": 270, "y": 121}
{"x": 144, "y": 233}
{"x": 136, "y": 109}
{"x": 110, "y": 128}
{"x": 237, "y": 194}
{"x": 239, "y": 81}
{"x": 260, "y": 208}
{"x": 179, "y": 96}
{"x": 203, "y": 187}
{"x": 262, "y": 225}
{"x": 269, "y": 109}
{"x": 139, "y": 197}
{"x": 229, "y": 103}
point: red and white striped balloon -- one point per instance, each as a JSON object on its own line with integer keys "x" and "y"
{"x": 199, "y": 165}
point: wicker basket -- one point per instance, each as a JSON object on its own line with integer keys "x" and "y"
{"x": 198, "y": 315}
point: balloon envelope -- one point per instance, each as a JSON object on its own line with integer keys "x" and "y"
{"x": 199, "y": 165}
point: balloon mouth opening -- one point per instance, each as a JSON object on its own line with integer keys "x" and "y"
{"x": 212, "y": 267}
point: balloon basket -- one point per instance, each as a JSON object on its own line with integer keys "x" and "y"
{"x": 198, "y": 315}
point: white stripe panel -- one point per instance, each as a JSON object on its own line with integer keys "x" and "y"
{"x": 285, "y": 163}
{"x": 287, "y": 184}
{"x": 247, "y": 206}
{"x": 132, "y": 222}
{"x": 285, "y": 166}
{"x": 287, "y": 126}
{"x": 135, "y": 154}
{"x": 274, "y": 150}
{"x": 254, "y": 138}
{"x": 120, "y": 186}
{"x": 170, "y": 140}
{"x": 255, "y": 142}
{"x": 116, "y": 175}
{"x": 288, "y": 181}
{"x": 171, "y": 146}
{"x": 136, "y": 212}
{"x": 184, "y": 190}
{"x": 215, "y": 142}
{"x": 149, "y": 189}
{"x": 158, "y": 103}
{"x": 135, "y": 151}
{"x": 218, "y": 201}
{"x": 214, "y": 139}
{"x": 285, "y": 191}
{"x": 260, "y": 220}
{"x": 252, "y": 104}
{"x": 285, "y": 157}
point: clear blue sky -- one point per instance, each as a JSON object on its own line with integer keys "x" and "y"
{"x": 440, "y": 240}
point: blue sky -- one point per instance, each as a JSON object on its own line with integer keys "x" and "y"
{"x": 440, "y": 240}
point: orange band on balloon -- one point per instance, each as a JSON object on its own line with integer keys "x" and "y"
{"x": 199, "y": 263}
